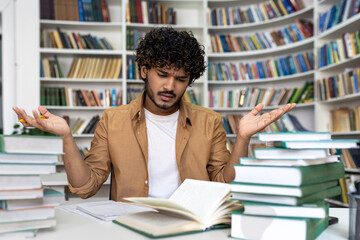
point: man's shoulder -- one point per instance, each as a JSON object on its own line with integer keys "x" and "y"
{"x": 197, "y": 111}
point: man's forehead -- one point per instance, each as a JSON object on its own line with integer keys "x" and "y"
{"x": 172, "y": 70}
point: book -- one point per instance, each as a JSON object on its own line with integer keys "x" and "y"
{"x": 268, "y": 227}
{"x": 7, "y": 216}
{"x": 288, "y": 200}
{"x": 19, "y": 182}
{"x": 337, "y": 143}
{"x": 319, "y": 210}
{"x": 283, "y": 153}
{"x": 287, "y": 162}
{"x": 281, "y": 190}
{"x": 21, "y": 194}
{"x": 298, "y": 136}
{"x": 25, "y": 225}
{"x": 289, "y": 176}
{"x": 51, "y": 198}
{"x": 27, "y": 158}
{"x": 26, "y": 169}
{"x": 185, "y": 211}
{"x": 110, "y": 210}
{"x": 31, "y": 144}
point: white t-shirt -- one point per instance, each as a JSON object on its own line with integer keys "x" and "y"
{"x": 164, "y": 176}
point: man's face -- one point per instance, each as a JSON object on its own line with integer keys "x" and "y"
{"x": 164, "y": 88}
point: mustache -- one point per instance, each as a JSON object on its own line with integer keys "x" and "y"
{"x": 167, "y": 92}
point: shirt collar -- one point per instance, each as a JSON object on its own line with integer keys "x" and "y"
{"x": 137, "y": 111}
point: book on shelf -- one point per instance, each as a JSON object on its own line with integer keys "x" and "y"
{"x": 350, "y": 158}
{"x": 31, "y": 144}
{"x": 270, "y": 227}
{"x": 75, "y": 10}
{"x": 223, "y": 43}
{"x": 270, "y": 68}
{"x": 190, "y": 96}
{"x": 254, "y": 13}
{"x": 345, "y": 119}
{"x": 185, "y": 211}
{"x": 150, "y": 12}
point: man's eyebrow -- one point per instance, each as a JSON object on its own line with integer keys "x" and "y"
{"x": 165, "y": 72}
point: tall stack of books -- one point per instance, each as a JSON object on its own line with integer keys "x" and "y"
{"x": 25, "y": 206}
{"x": 283, "y": 188}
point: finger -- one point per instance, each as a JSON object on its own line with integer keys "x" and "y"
{"x": 257, "y": 109}
{"x": 44, "y": 111}
{"x": 26, "y": 119}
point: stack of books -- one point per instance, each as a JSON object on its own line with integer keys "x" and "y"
{"x": 283, "y": 188}
{"x": 25, "y": 206}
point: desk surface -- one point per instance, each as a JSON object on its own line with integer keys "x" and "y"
{"x": 73, "y": 226}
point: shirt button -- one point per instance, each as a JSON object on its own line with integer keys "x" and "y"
{"x": 146, "y": 181}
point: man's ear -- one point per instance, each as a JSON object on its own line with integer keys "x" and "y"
{"x": 143, "y": 72}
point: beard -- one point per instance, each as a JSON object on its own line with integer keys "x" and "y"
{"x": 150, "y": 93}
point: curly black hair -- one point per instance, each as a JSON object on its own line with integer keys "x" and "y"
{"x": 166, "y": 47}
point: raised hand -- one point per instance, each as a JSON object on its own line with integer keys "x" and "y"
{"x": 50, "y": 123}
{"x": 251, "y": 123}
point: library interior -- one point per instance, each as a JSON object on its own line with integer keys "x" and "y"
{"x": 87, "y": 164}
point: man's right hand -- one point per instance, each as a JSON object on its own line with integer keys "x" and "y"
{"x": 51, "y": 123}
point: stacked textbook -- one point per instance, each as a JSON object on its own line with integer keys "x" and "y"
{"x": 283, "y": 187}
{"x": 25, "y": 206}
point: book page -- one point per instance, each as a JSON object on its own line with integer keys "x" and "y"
{"x": 201, "y": 197}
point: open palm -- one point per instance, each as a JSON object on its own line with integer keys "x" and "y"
{"x": 52, "y": 123}
{"x": 252, "y": 123}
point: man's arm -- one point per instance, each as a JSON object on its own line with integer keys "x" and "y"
{"x": 248, "y": 126}
{"x": 77, "y": 171}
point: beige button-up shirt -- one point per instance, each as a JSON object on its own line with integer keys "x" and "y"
{"x": 120, "y": 142}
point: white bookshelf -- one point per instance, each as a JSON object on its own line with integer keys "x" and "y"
{"x": 323, "y": 108}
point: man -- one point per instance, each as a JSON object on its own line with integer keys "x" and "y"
{"x": 158, "y": 140}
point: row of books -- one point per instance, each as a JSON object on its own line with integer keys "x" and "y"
{"x": 51, "y": 68}
{"x": 95, "y": 68}
{"x": 345, "y": 119}
{"x": 133, "y": 91}
{"x": 340, "y": 49}
{"x": 190, "y": 96}
{"x": 72, "y": 40}
{"x": 350, "y": 158}
{"x": 132, "y": 71}
{"x": 271, "y": 68}
{"x": 287, "y": 123}
{"x": 283, "y": 189}
{"x": 138, "y": 11}
{"x": 262, "y": 40}
{"x": 345, "y": 83}
{"x": 227, "y": 16}
{"x": 75, "y": 10}
{"x": 85, "y": 126}
{"x": 250, "y": 97}
{"x": 338, "y": 13}
{"x": 25, "y": 205}
{"x": 66, "y": 96}
{"x": 132, "y": 38}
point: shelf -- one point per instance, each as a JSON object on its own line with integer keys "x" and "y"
{"x": 150, "y": 26}
{"x": 80, "y": 51}
{"x": 302, "y": 105}
{"x": 334, "y": 66}
{"x": 78, "y": 108}
{"x": 346, "y": 98}
{"x": 303, "y": 43}
{"x": 254, "y": 81}
{"x": 79, "y": 80}
{"x": 266, "y": 22}
{"x": 340, "y": 28}
{"x": 55, "y": 23}
{"x": 352, "y": 171}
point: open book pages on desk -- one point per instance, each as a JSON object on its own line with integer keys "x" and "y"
{"x": 194, "y": 206}
{"x": 103, "y": 210}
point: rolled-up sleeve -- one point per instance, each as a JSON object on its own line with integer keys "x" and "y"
{"x": 98, "y": 161}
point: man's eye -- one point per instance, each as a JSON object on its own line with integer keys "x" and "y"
{"x": 161, "y": 75}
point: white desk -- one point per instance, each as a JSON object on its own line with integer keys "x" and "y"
{"x": 72, "y": 226}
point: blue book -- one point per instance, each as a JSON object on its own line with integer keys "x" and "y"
{"x": 224, "y": 43}
{"x": 113, "y": 98}
{"x": 260, "y": 70}
{"x": 218, "y": 71}
{"x": 287, "y": 6}
{"x": 331, "y": 17}
{"x": 284, "y": 66}
{"x": 278, "y": 67}
{"x": 302, "y": 62}
{"x": 41, "y": 69}
{"x": 291, "y": 64}
{"x": 81, "y": 11}
{"x": 131, "y": 72}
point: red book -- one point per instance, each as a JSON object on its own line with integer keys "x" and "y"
{"x": 139, "y": 12}
{"x": 104, "y": 10}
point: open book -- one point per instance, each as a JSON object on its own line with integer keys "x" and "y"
{"x": 195, "y": 206}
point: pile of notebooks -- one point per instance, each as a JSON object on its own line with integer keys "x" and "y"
{"x": 25, "y": 205}
{"x": 284, "y": 186}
